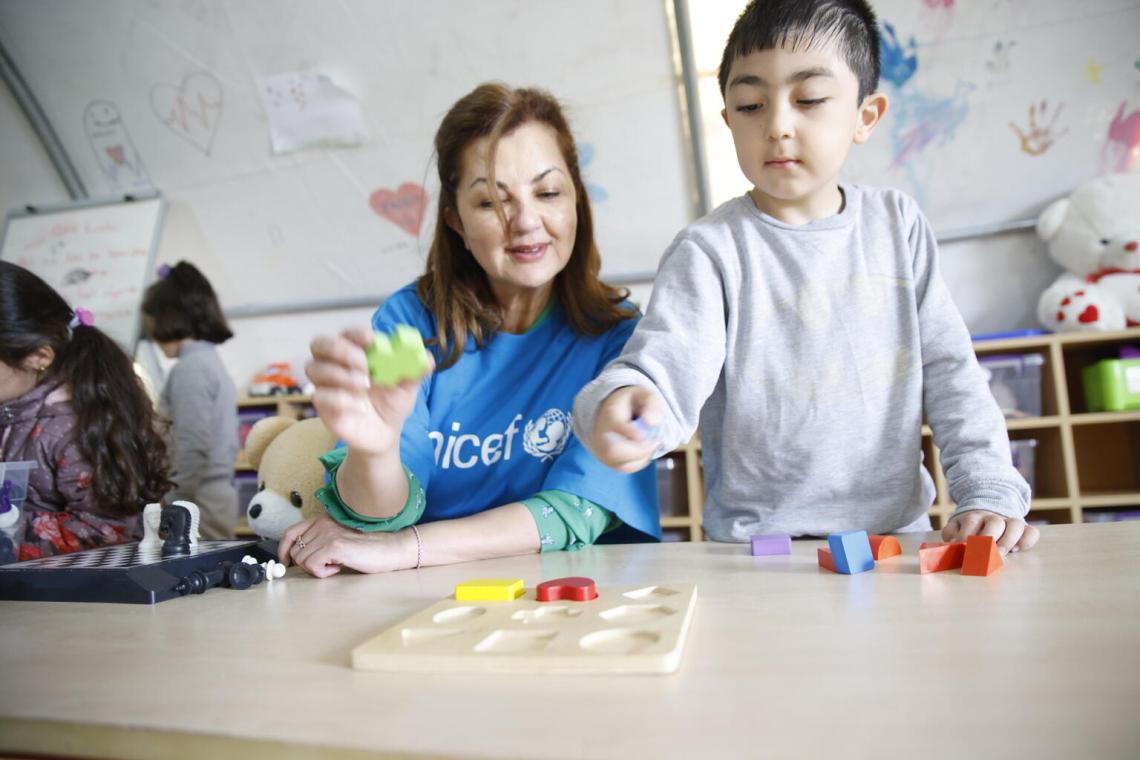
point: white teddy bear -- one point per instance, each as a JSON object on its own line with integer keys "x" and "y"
{"x": 1095, "y": 235}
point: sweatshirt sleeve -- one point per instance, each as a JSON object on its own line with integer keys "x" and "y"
{"x": 968, "y": 426}
{"x": 189, "y": 396}
{"x": 677, "y": 350}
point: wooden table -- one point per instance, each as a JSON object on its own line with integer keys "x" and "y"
{"x": 783, "y": 659}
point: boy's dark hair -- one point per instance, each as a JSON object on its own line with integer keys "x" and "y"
{"x": 770, "y": 24}
{"x": 116, "y": 426}
{"x": 183, "y": 305}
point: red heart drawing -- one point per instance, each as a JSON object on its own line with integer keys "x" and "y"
{"x": 576, "y": 589}
{"x": 404, "y": 208}
{"x": 1090, "y": 314}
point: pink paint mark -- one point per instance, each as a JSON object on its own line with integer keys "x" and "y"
{"x": 1121, "y": 150}
{"x": 939, "y": 3}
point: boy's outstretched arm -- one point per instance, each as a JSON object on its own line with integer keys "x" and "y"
{"x": 669, "y": 367}
{"x": 968, "y": 426}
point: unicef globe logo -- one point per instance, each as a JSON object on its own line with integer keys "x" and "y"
{"x": 546, "y": 436}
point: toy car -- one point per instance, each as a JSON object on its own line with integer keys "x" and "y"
{"x": 277, "y": 379}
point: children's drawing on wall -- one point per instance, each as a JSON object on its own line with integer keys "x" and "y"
{"x": 898, "y": 63}
{"x": 403, "y": 207}
{"x": 1121, "y": 151}
{"x": 586, "y": 152}
{"x": 1094, "y": 71}
{"x": 1038, "y": 136}
{"x": 307, "y": 109}
{"x": 115, "y": 153}
{"x": 192, "y": 109}
{"x": 999, "y": 61}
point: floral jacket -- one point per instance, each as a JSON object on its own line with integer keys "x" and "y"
{"x": 59, "y": 514}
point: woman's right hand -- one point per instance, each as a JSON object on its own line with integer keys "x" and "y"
{"x": 367, "y": 417}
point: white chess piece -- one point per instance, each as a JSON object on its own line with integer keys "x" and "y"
{"x": 273, "y": 569}
{"x": 192, "y": 508}
{"x": 152, "y": 516}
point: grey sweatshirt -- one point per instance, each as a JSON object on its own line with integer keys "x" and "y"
{"x": 808, "y": 355}
{"x": 200, "y": 399}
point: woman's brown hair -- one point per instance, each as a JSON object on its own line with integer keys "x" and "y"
{"x": 455, "y": 287}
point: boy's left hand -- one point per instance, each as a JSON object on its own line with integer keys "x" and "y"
{"x": 1011, "y": 534}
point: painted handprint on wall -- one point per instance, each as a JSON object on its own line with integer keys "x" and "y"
{"x": 1038, "y": 137}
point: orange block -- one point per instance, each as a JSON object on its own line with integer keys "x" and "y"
{"x": 982, "y": 556}
{"x": 884, "y": 546}
{"x": 825, "y": 559}
{"x": 936, "y": 557}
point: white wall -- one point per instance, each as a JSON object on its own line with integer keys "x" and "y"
{"x": 26, "y": 176}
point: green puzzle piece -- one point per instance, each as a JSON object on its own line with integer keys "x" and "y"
{"x": 395, "y": 357}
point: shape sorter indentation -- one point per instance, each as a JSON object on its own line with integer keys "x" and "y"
{"x": 626, "y": 629}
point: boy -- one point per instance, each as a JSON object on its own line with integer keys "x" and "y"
{"x": 805, "y": 322}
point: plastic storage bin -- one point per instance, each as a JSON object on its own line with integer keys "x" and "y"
{"x": 14, "y": 479}
{"x": 1112, "y": 385}
{"x": 1024, "y": 453}
{"x": 1015, "y": 382}
{"x": 671, "y": 487}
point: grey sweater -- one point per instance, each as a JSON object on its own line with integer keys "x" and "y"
{"x": 200, "y": 399}
{"x": 808, "y": 356}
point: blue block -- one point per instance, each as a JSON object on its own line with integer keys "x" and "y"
{"x": 851, "y": 552}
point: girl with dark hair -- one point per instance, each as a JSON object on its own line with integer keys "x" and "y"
{"x": 70, "y": 401}
{"x": 476, "y": 460}
{"x": 182, "y": 316}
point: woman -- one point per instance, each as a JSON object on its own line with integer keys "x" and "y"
{"x": 71, "y": 402}
{"x": 480, "y": 448}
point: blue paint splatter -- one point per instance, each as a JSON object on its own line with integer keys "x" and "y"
{"x": 597, "y": 193}
{"x": 897, "y": 67}
{"x": 922, "y": 121}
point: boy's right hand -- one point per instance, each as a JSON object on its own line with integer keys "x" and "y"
{"x": 617, "y": 441}
{"x": 367, "y": 417}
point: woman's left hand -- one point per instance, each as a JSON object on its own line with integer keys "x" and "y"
{"x": 322, "y": 547}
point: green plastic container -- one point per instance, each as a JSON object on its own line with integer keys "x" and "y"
{"x": 1112, "y": 385}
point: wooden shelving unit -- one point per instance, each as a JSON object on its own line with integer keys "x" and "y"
{"x": 1085, "y": 463}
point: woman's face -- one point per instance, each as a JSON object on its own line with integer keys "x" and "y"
{"x": 537, "y": 195}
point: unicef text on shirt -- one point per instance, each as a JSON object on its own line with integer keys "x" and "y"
{"x": 543, "y": 437}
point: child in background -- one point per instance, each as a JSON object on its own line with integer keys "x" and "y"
{"x": 182, "y": 315}
{"x": 806, "y": 322}
{"x": 71, "y": 402}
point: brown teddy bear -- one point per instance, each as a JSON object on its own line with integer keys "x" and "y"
{"x": 285, "y": 452}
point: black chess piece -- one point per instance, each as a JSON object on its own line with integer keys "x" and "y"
{"x": 240, "y": 575}
{"x": 174, "y": 530}
{"x": 198, "y": 581}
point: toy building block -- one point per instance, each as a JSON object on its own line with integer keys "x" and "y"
{"x": 396, "y": 357}
{"x": 937, "y": 557}
{"x": 825, "y": 560}
{"x": 767, "y": 546}
{"x": 489, "y": 590}
{"x": 884, "y": 546}
{"x": 574, "y": 589}
{"x": 982, "y": 556}
{"x": 851, "y": 552}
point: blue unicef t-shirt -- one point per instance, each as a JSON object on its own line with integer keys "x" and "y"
{"x": 494, "y": 428}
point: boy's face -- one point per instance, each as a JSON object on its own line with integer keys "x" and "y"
{"x": 794, "y": 115}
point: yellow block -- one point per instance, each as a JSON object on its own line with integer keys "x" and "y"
{"x": 489, "y": 590}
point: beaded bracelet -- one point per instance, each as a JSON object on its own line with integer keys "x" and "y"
{"x": 419, "y": 546}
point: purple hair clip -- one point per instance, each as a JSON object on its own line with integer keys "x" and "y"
{"x": 163, "y": 271}
{"x": 81, "y": 317}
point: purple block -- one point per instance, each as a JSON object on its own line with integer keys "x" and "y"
{"x": 766, "y": 546}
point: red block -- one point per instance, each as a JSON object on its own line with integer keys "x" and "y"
{"x": 825, "y": 559}
{"x": 574, "y": 589}
{"x": 936, "y": 557}
{"x": 885, "y": 546}
{"x": 982, "y": 556}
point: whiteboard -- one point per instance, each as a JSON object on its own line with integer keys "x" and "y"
{"x": 166, "y": 94}
{"x": 98, "y": 255}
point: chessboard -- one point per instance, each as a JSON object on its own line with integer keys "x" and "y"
{"x": 625, "y": 629}
{"x": 122, "y": 573}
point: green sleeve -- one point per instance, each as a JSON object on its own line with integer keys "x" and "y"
{"x": 566, "y": 521}
{"x": 329, "y": 495}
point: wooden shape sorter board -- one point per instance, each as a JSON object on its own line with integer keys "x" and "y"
{"x": 626, "y": 629}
